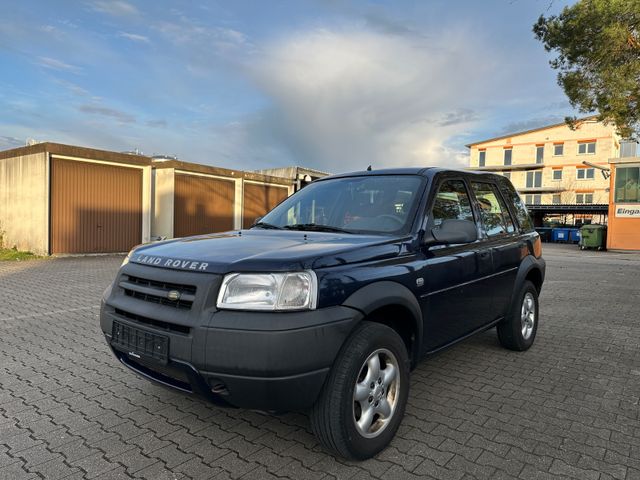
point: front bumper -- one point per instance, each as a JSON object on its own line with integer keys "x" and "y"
{"x": 275, "y": 361}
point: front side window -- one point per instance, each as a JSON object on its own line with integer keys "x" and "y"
{"x": 558, "y": 149}
{"x": 482, "y": 158}
{"x": 587, "y": 148}
{"x": 627, "y": 186}
{"x": 585, "y": 173}
{"x": 377, "y": 204}
{"x": 534, "y": 179}
{"x": 557, "y": 174}
{"x": 507, "y": 156}
{"x": 518, "y": 205}
{"x": 539, "y": 153}
{"x": 495, "y": 216}
{"x": 451, "y": 203}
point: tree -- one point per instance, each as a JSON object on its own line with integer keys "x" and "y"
{"x": 598, "y": 59}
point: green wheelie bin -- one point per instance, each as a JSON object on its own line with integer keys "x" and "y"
{"x": 593, "y": 236}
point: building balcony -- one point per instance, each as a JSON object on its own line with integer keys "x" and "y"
{"x": 508, "y": 168}
{"x": 551, "y": 189}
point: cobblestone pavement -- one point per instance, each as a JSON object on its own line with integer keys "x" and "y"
{"x": 567, "y": 408}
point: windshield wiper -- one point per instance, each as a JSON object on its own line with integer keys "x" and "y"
{"x": 314, "y": 227}
{"x": 265, "y": 225}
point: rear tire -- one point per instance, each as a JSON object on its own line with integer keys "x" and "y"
{"x": 363, "y": 400}
{"x": 518, "y": 330}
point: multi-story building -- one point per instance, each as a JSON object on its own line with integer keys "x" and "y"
{"x": 552, "y": 164}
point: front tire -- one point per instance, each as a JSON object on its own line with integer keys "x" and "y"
{"x": 518, "y": 330}
{"x": 363, "y": 400}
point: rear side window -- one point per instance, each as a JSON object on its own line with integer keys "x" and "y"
{"x": 512, "y": 197}
{"x": 493, "y": 211}
{"x": 451, "y": 203}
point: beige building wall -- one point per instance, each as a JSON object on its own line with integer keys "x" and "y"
{"x": 163, "y": 202}
{"x": 524, "y": 149}
{"x": 24, "y": 202}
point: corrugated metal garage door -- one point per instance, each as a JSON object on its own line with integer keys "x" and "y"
{"x": 202, "y": 205}
{"x": 259, "y": 199}
{"x": 95, "y": 208}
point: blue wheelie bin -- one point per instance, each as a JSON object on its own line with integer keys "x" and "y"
{"x": 560, "y": 235}
{"x": 574, "y": 235}
{"x": 545, "y": 233}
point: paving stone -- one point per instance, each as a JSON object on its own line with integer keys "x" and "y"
{"x": 567, "y": 408}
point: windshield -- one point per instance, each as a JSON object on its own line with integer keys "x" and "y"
{"x": 372, "y": 204}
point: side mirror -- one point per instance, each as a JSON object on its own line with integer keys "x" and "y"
{"x": 453, "y": 232}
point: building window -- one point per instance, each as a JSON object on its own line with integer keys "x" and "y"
{"x": 534, "y": 179}
{"x": 584, "y": 197}
{"x": 507, "y": 156}
{"x": 506, "y": 175}
{"x": 585, "y": 173}
{"x": 482, "y": 156}
{"x": 627, "y": 187}
{"x": 558, "y": 149}
{"x": 539, "y": 153}
{"x": 557, "y": 174}
{"x": 533, "y": 199}
{"x": 556, "y": 199}
{"x": 587, "y": 148}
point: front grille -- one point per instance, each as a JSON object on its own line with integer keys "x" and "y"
{"x": 171, "y": 327}
{"x": 163, "y": 293}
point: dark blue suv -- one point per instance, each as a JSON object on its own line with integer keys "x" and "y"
{"x": 328, "y": 302}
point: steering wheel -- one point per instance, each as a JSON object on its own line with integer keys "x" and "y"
{"x": 399, "y": 221}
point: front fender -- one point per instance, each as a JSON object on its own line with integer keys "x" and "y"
{"x": 381, "y": 294}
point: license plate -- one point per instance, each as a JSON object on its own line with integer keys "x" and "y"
{"x": 140, "y": 344}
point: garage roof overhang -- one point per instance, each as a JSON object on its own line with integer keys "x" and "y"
{"x": 77, "y": 152}
{"x": 219, "y": 171}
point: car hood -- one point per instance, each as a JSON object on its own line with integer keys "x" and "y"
{"x": 266, "y": 250}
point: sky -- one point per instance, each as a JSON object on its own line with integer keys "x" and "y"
{"x": 335, "y": 85}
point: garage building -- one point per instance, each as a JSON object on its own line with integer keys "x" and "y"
{"x": 193, "y": 199}
{"x": 62, "y": 199}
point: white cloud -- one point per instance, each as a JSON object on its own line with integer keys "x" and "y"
{"x": 346, "y": 99}
{"x": 134, "y": 37}
{"x": 55, "y": 64}
{"x": 118, "y": 115}
{"x": 118, "y": 8}
{"x": 7, "y": 141}
{"x": 187, "y": 32}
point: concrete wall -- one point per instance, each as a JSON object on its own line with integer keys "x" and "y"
{"x": 24, "y": 202}
{"x": 163, "y": 202}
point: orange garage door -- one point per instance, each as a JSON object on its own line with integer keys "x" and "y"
{"x": 259, "y": 199}
{"x": 95, "y": 208}
{"x": 202, "y": 205}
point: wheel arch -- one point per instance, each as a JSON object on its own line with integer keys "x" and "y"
{"x": 378, "y": 300}
{"x": 531, "y": 269}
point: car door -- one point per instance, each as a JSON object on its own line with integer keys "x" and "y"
{"x": 454, "y": 298}
{"x": 502, "y": 239}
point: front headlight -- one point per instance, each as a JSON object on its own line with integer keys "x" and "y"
{"x": 127, "y": 258}
{"x": 129, "y": 255}
{"x": 269, "y": 291}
